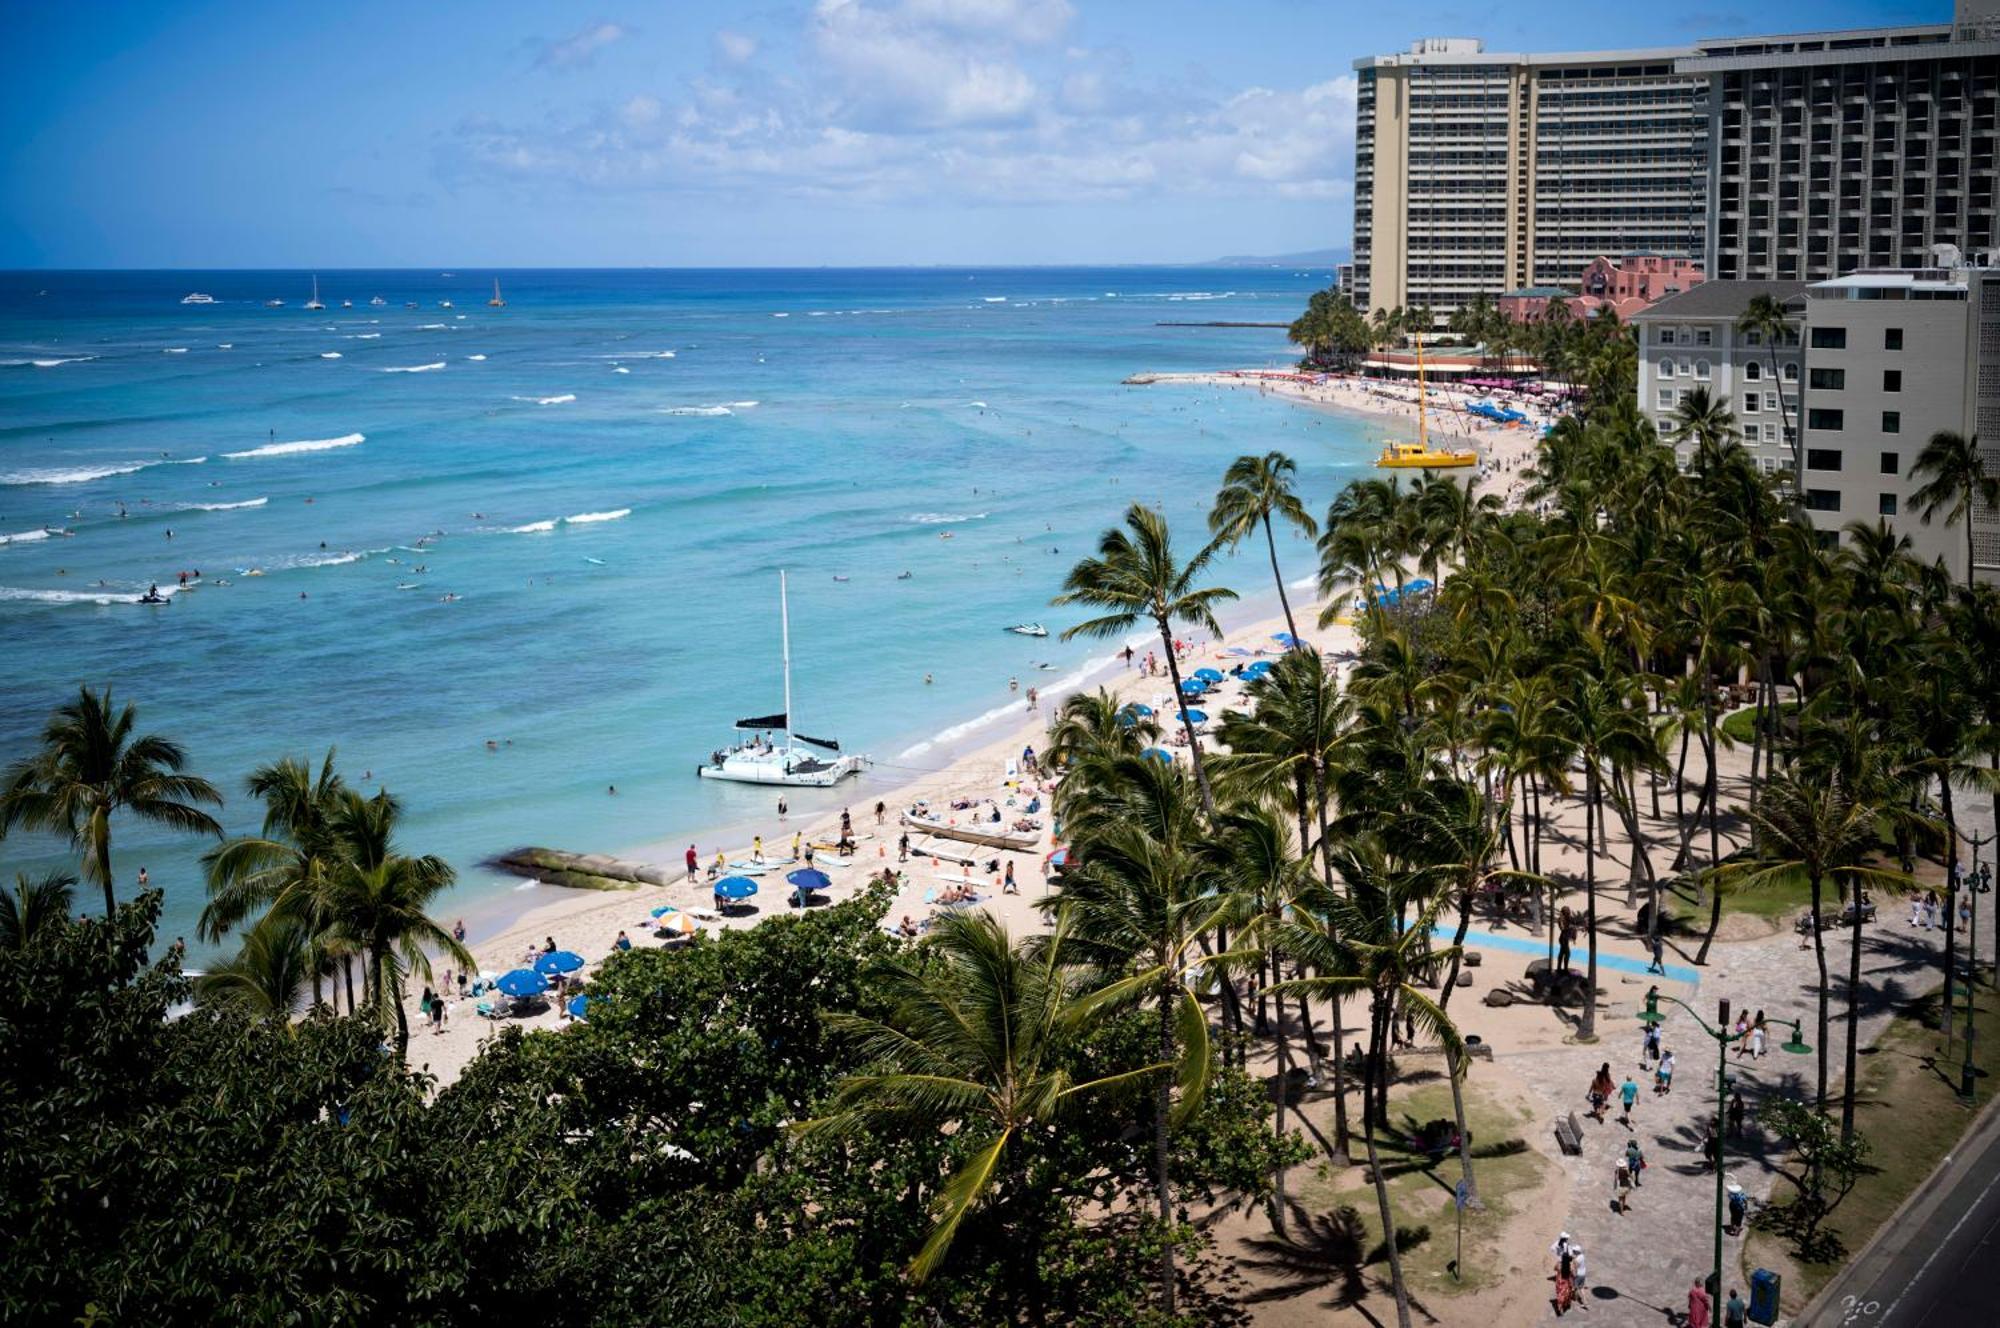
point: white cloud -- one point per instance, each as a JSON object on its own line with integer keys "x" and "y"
{"x": 581, "y": 47}
{"x": 934, "y": 101}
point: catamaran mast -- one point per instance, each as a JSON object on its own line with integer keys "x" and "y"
{"x": 785, "y": 629}
{"x": 1423, "y": 434}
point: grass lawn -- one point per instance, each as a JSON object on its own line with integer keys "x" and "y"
{"x": 1420, "y": 1194}
{"x": 1739, "y": 724}
{"x": 1909, "y": 1111}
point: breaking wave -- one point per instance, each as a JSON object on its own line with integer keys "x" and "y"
{"x": 304, "y": 445}
{"x": 416, "y": 368}
{"x": 946, "y": 518}
{"x": 590, "y": 518}
{"x": 697, "y": 410}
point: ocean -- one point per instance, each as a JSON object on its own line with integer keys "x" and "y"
{"x": 557, "y": 526}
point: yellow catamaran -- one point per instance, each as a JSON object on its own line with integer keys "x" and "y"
{"x": 1420, "y": 455}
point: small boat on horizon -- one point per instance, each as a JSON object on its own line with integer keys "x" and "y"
{"x": 495, "y": 303}
{"x": 378, "y": 302}
{"x": 314, "y": 302}
{"x": 196, "y": 297}
{"x": 1029, "y": 629}
{"x": 274, "y": 304}
{"x": 444, "y": 304}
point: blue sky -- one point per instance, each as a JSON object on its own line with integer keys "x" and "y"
{"x": 633, "y": 132}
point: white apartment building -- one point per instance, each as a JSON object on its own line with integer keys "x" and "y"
{"x": 1481, "y": 173}
{"x": 1690, "y": 340}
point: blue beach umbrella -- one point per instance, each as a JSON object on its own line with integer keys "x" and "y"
{"x": 1208, "y": 675}
{"x": 809, "y": 878}
{"x": 578, "y": 1004}
{"x": 1257, "y": 670}
{"x": 522, "y": 982}
{"x": 1193, "y": 687}
{"x": 1419, "y": 586}
{"x": 1160, "y": 754}
{"x": 736, "y": 887}
{"x": 663, "y": 910}
{"x": 1284, "y": 638}
{"x": 1195, "y": 716}
{"x": 559, "y": 961}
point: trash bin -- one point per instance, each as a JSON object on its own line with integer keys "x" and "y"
{"x": 1764, "y": 1288}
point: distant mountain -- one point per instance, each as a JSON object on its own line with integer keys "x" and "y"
{"x": 1309, "y": 258}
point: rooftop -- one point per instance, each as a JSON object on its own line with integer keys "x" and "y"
{"x": 1723, "y": 299}
{"x": 1470, "y": 51}
{"x": 1537, "y": 293}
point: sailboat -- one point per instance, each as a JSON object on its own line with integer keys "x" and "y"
{"x": 314, "y": 303}
{"x": 773, "y": 753}
{"x": 496, "y": 302}
{"x": 1420, "y": 455}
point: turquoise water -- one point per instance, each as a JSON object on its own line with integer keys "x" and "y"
{"x": 890, "y": 408}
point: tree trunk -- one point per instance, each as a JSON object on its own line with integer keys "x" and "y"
{"x": 1284, "y": 600}
{"x": 1819, "y": 957}
{"x": 1342, "y": 1135}
{"x": 1187, "y": 725}
{"x": 1378, "y": 1031}
{"x": 1454, "y": 1066}
{"x": 1950, "y": 889}
{"x": 98, "y": 862}
{"x": 393, "y": 994}
{"x": 1853, "y": 1019}
{"x": 1162, "y": 1177}
{"x": 1714, "y": 835}
{"x": 1592, "y": 813}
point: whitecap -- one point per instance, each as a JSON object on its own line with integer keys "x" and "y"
{"x": 367, "y": 336}
{"x": 173, "y": 350}
{"x": 20, "y": 594}
{"x": 26, "y": 537}
{"x": 590, "y": 518}
{"x": 619, "y": 368}
{"x": 996, "y": 299}
{"x": 431, "y": 327}
{"x": 51, "y": 364}
{"x": 225, "y": 507}
{"x": 976, "y": 405}
{"x": 304, "y": 445}
{"x": 564, "y": 399}
{"x": 475, "y": 357}
{"x": 741, "y": 405}
{"x": 781, "y": 315}
{"x": 697, "y": 410}
{"x": 417, "y": 368}
{"x": 532, "y": 528}
{"x": 71, "y": 474}
{"x": 329, "y": 355}
{"x": 946, "y": 518}
{"x": 226, "y": 345}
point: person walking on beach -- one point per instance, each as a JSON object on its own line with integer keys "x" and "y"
{"x": 1735, "y": 1113}
{"x": 1659, "y": 964}
{"x": 1649, "y": 1045}
{"x": 1635, "y": 1162}
{"x": 1663, "y": 1075}
{"x": 782, "y": 809}
{"x": 756, "y": 848}
{"x": 903, "y": 848}
{"x": 1698, "y": 1306}
{"x": 1628, "y": 1095}
{"x": 1128, "y": 658}
{"x": 1758, "y": 1035}
{"x": 1565, "y": 938}
{"x": 1579, "y": 1276}
{"x": 1601, "y": 1089}
{"x": 693, "y": 861}
{"x": 1007, "y": 885}
{"x": 881, "y": 810}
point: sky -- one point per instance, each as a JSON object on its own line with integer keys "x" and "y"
{"x": 678, "y": 133}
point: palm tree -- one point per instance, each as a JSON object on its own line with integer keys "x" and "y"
{"x": 34, "y": 907}
{"x": 1134, "y": 577}
{"x": 89, "y": 769}
{"x": 1704, "y": 420}
{"x": 1138, "y": 906}
{"x": 1955, "y": 484}
{"x": 268, "y": 973}
{"x": 378, "y": 899}
{"x": 1765, "y": 317}
{"x": 969, "y": 1044}
{"x": 286, "y": 868}
{"x": 1356, "y": 943}
{"x": 1811, "y": 828}
{"x": 1254, "y": 490}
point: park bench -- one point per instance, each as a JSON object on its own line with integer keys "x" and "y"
{"x": 1569, "y": 1133}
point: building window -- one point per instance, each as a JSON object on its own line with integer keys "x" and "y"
{"x": 1822, "y": 500}
{"x": 1823, "y": 420}
{"x": 1701, "y": 370}
{"x": 1828, "y": 380}
{"x": 1892, "y": 380}
{"x": 1667, "y": 398}
{"x": 1892, "y": 463}
{"x": 1702, "y": 336}
{"x": 1791, "y": 373}
{"x": 1753, "y": 338}
{"x": 1666, "y": 368}
{"x": 1666, "y": 337}
{"x": 1886, "y": 504}
{"x": 1829, "y": 338}
{"x": 1752, "y": 371}
{"x": 1892, "y": 338}
{"x": 1892, "y": 421}
{"x": 1822, "y": 458}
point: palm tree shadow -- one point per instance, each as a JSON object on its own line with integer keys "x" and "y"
{"x": 1317, "y": 1250}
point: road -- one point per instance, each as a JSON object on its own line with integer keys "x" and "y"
{"x": 1932, "y": 1266}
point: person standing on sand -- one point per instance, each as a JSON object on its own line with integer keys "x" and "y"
{"x": 881, "y": 810}
{"x": 756, "y": 848}
{"x": 1659, "y": 964}
{"x": 1758, "y": 1034}
{"x": 903, "y": 848}
{"x": 1649, "y": 1045}
{"x": 782, "y": 809}
{"x": 693, "y": 861}
{"x": 458, "y": 931}
{"x": 1007, "y": 884}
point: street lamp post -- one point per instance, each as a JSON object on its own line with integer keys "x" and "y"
{"x": 1723, "y": 1037}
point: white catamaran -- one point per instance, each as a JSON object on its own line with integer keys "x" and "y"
{"x": 773, "y": 754}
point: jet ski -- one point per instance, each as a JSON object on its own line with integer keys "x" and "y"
{"x": 1029, "y": 629}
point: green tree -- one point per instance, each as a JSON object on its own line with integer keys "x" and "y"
{"x": 1135, "y": 578}
{"x": 269, "y": 972}
{"x": 35, "y": 908}
{"x": 1764, "y": 318}
{"x": 1255, "y": 491}
{"x": 967, "y": 1044}
{"x": 91, "y": 768}
{"x": 1955, "y": 486}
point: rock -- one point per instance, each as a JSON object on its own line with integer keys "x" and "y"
{"x": 1472, "y": 959}
{"x": 1499, "y": 998}
{"x": 1465, "y": 979}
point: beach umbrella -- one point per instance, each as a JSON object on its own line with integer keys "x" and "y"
{"x": 1285, "y": 638}
{"x": 1261, "y": 666}
{"x": 809, "y": 878}
{"x": 736, "y": 887}
{"x": 559, "y": 961}
{"x": 677, "y": 922}
{"x": 1160, "y": 754}
{"x": 1208, "y": 675}
{"x": 663, "y": 910}
{"x": 1195, "y": 716}
{"x": 1059, "y": 858}
{"x": 578, "y": 1004}
{"x": 1136, "y": 708}
{"x": 1193, "y": 687}
{"x": 1419, "y": 585}
{"x": 522, "y": 982}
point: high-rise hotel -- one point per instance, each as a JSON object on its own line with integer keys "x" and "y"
{"x": 1787, "y": 158}
{"x": 1480, "y": 173}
